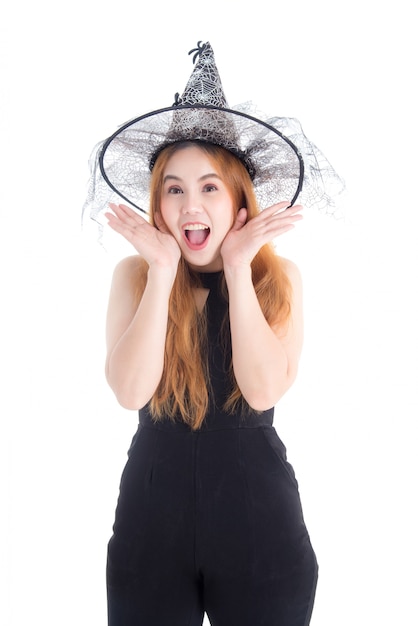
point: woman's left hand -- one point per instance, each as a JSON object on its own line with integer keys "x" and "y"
{"x": 245, "y": 239}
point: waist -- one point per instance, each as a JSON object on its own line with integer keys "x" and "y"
{"x": 215, "y": 420}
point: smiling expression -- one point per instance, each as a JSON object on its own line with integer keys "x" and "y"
{"x": 197, "y": 207}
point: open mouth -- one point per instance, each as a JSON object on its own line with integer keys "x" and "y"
{"x": 196, "y": 234}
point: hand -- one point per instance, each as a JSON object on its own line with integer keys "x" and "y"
{"x": 245, "y": 239}
{"x": 156, "y": 245}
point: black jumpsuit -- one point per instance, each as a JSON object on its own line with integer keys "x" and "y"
{"x": 210, "y": 521}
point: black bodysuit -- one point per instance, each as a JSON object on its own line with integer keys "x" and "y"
{"x": 210, "y": 521}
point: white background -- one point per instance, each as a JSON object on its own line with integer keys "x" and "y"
{"x": 70, "y": 73}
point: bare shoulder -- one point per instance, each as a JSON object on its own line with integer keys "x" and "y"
{"x": 128, "y": 283}
{"x": 128, "y": 267}
{"x": 129, "y": 275}
{"x": 291, "y": 334}
{"x": 291, "y": 269}
{"x": 293, "y": 273}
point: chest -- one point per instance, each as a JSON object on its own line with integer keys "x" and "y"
{"x": 201, "y": 295}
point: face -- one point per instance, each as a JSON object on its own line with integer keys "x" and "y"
{"x": 197, "y": 207}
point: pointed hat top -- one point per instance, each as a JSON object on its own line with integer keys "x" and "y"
{"x": 201, "y": 112}
{"x": 204, "y": 86}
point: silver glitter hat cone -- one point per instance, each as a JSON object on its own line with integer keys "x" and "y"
{"x": 204, "y": 90}
{"x": 280, "y": 159}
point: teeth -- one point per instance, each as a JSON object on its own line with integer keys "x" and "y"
{"x": 196, "y": 227}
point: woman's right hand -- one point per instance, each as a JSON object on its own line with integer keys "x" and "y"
{"x": 156, "y": 245}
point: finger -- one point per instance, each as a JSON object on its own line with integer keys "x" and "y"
{"x": 269, "y": 220}
{"x": 282, "y": 209}
{"x": 113, "y": 220}
{"x": 125, "y": 225}
{"x": 126, "y": 231}
{"x": 286, "y": 216}
{"x": 275, "y": 208}
{"x": 126, "y": 214}
{"x": 119, "y": 212}
{"x": 291, "y": 210}
{"x": 123, "y": 207}
{"x": 280, "y": 226}
{"x": 276, "y": 225}
{"x": 120, "y": 225}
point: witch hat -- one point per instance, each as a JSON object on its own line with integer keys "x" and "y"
{"x": 278, "y": 156}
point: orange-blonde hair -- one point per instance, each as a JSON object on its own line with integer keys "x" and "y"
{"x": 184, "y": 387}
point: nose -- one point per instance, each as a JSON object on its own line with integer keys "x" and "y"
{"x": 191, "y": 204}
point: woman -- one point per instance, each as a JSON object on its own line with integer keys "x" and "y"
{"x": 255, "y": 553}
{"x": 204, "y": 334}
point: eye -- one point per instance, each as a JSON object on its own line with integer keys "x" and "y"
{"x": 174, "y": 190}
{"x": 210, "y": 187}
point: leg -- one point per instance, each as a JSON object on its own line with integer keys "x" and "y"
{"x": 154, "y": 601}
{"x": 259, "y": 565}
{"x": 265, "y": 600}
{"x": 151, "y": 580}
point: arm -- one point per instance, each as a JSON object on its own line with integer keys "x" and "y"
{"x": 265, "y": 359}
{"x": 135, "y": 334}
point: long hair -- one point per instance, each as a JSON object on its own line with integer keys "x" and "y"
{"x": 184, "y": 387}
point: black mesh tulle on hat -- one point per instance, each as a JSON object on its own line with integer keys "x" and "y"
{"x": 282, "y": 162}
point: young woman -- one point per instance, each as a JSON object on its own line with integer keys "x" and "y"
{"x": 204, "y": 334}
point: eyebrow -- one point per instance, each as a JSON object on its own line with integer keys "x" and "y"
{"x": 204, "y": 177}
